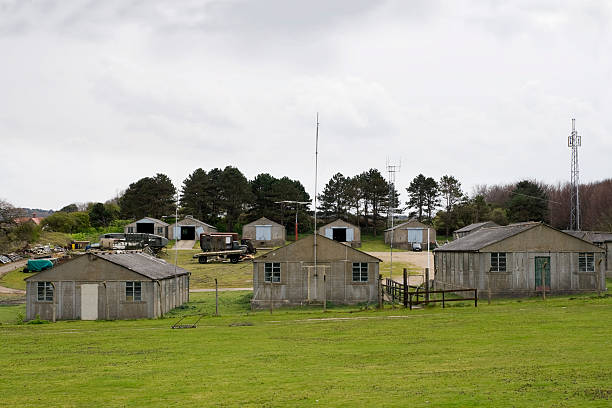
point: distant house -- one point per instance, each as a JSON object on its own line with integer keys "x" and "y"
{"x": 107, "y": 286}
{"x": 602, "y": 240}
{"x": 148, "y": 225}
{"x": 511, "y": 261}
{"x": 287, "y": 275}
{"x": 22, "y": 220}
{"x": 342, "y": 231}
{"x": 189, "y": 228}
{"x": 265, "y": 233}
{"x": 410, "y": 232}
{"x": 468, "y": 229}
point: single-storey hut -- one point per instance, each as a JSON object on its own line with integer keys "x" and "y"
{"x": 512, "y": 261}
{"x": 265, "y": 233}
{"x": 410, "y": 232}
{"x": 342, "y": 231}
{"x": 288, "y": 276}
{"x": 107, "y": 286}
{"x": 189, "y": 228}
{"x": 148, "y": 225}
{"x": 468, "y": 229}
{"x": 601, "y": 239}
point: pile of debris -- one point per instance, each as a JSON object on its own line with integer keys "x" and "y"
{"x": 8, "y": 258}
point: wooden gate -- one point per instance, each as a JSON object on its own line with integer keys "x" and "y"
{"x": 542, "y": 269}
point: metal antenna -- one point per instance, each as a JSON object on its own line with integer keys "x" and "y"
{"x": 574, "y": 141}
{"x": 315, "y": 194}
{"x": 392, "y": 169}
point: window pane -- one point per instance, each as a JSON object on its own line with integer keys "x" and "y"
{"x": 137, "y": 291}
{"x": 41, "y": 290}
{"x": 49, "y": 291}
{"x": 501, "y": 261}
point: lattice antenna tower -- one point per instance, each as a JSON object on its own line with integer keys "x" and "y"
{"x": 392, "y": 169}
{"x": 574, "y": 141}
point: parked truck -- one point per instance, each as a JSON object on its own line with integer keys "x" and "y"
{"x": 222, "y": 246}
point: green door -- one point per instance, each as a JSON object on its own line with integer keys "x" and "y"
{"x": 542, "y": 268}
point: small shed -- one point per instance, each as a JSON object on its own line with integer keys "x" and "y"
{"x": 189, "y": 228}
{"x": 287, "y": 275}
{"x": 601, "y": 239}
{"x": 148, "y": 225}
{"x": 265, "y": 233}
{"x": 410, "y": 232}
{"x": 342, "y": 231}
{"x": 468, "y": 229}
{"x": 107, "y": 286}
{"x": 518, "y": 260}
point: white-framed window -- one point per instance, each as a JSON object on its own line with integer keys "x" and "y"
{"x": 160, "y": 230}
{"x": 130, "y": 230}
{"x": 133, "y": 291}
{"x": 45, "y": 291}
{"x": 498, "y": 261}
{"x": 586, "y": 262}
{"x": 272, "y": 272}
{"x": 360, "y": 271}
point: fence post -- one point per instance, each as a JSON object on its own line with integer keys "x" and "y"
{"x": 216, "y": 298}
{"x": 405, "y": 287}
{"x": 380, "y": 295}
{"x": 427, "y": 285}
{"x": 442, "y": 300}
{"x": 476, "y": 297}
{"x": 410, "y": 300}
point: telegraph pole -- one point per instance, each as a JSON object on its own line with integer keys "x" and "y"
{"x": 392, "y": 169}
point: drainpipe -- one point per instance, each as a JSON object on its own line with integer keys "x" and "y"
{"x": 54, "y": 298}
{"x": 161, "y": 310}
{"x": 106, "y": 308}
{"x": 599, "y": 277}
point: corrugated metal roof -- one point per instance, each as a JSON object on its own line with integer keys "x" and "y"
{"x": 471, "y": 227}
{"x": 591, "y": 236}
{"x": 421, "y": 225}
{"x": 486, "y": 236}
{"x": 144, "y": 264}
{"x": 155, "y": 220}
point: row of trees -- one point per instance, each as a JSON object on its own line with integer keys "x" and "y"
{"x": 222, "y": 197}
{"x": 362, "y": 199}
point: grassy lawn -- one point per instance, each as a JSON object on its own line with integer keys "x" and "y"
{"x": 527, "y": 353}
{"x": 15, "y": 279}
{"x": 398, "y": 269}
{"x": 203, "y": 276}
{"x": 371, "y": 243}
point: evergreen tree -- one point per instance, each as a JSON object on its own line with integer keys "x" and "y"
{"x": 528, "y": 202}
{"x": 99, "y": 216}
{"x": 423, "y": 193}
{"x": 332, "y": 201}
{"x": 236, "y": 195}
{"x": 149, "y": 197}
{"x": 450, "y": 189}
{"x": 194, "y": 198}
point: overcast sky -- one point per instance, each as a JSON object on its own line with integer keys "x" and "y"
{"x": 95, "y": 95}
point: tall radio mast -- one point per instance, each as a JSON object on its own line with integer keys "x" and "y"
{"x": 574, "y": 141}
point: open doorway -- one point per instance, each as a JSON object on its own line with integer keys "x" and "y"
{"x": 187, "y": 232}
{"x": 144, "y": 227}
{"x": 339, "y": 234}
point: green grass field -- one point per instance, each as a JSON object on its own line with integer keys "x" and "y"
{"x": 513, "y": 353}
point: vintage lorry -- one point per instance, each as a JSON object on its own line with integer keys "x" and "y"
{"x": 224, "y": 246}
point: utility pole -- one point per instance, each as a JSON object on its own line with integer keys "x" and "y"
{"x": 392, "y": 169}
{"x": 315, "y": 194}
{"x": 574, "y": 141}
{"x": 297, "y": 203}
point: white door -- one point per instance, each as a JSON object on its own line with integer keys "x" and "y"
{"x": 350, "y": 236}
{"x": 415, "y": 235}
{"x": 199, "y": 231}
{"x": 263, "y": 232}
{"x": 177, "y": 233}
{"x": 89, "y": 302}
{"x": 329, "y": 233}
